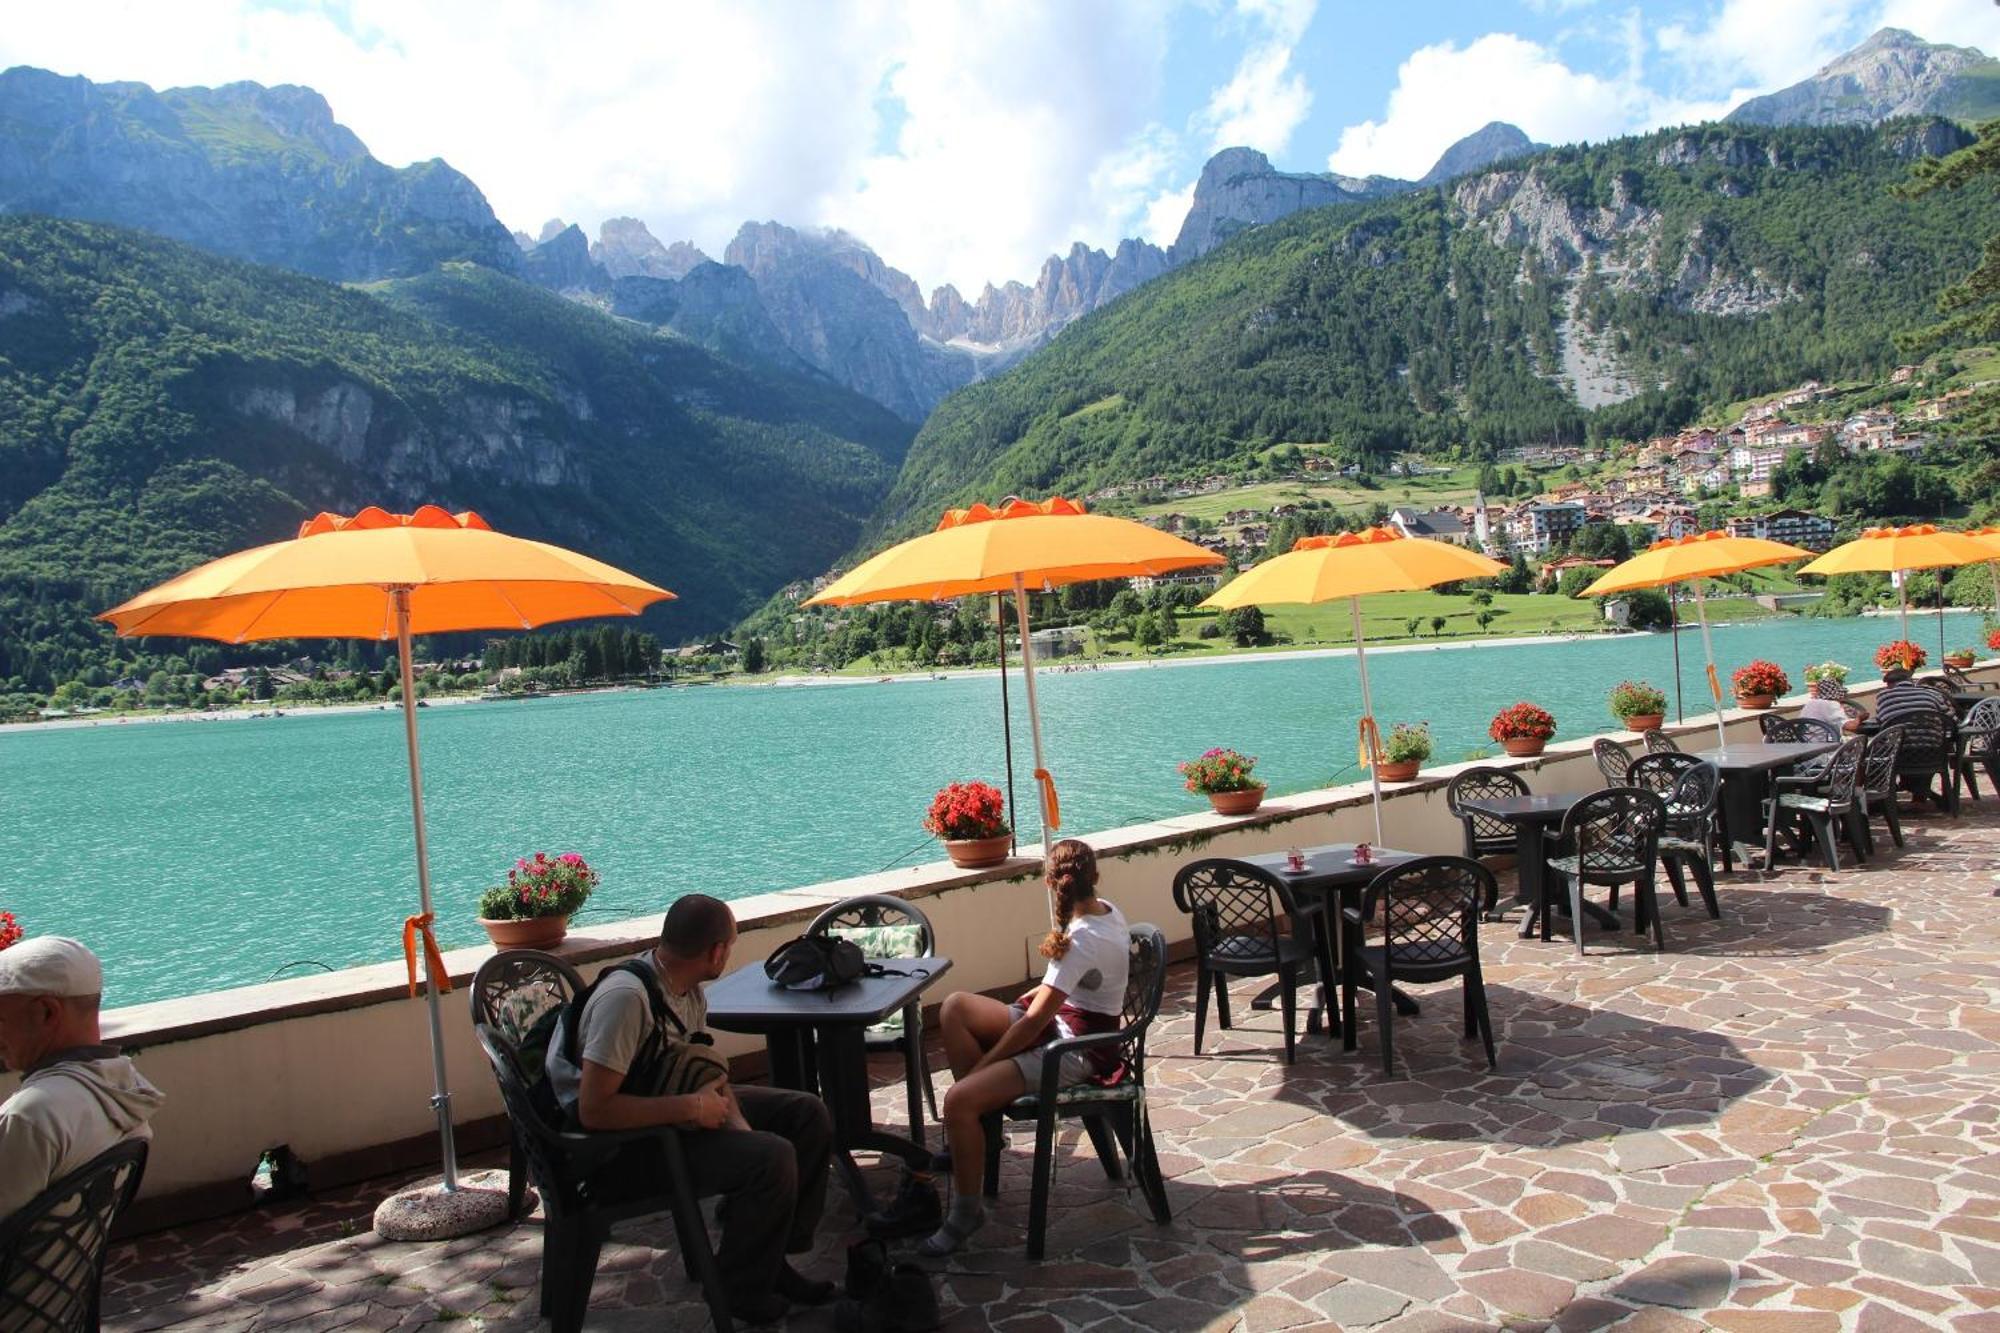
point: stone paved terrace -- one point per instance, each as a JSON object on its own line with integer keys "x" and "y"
{"x": 1789, "y": 1122}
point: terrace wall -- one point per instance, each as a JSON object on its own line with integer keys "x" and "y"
{"x": 337, "y": 1065}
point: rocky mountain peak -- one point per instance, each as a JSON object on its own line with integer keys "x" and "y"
{"x": 1493, "y": 142}
{"x": 1239, "y": 188}
{"x": 626, "y": 249}
{"x": 1893, "y": 73}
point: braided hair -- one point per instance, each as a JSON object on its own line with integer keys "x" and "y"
{"x": 1071, "y": 874}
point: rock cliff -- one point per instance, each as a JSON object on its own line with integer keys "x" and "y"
{"x": 1894, "y": 73}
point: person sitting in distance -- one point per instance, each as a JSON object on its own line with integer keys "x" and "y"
{"x": 995, "y": 1049}
{"x": 1901, "y": 699}
{"x": 78, "y": 1097}
{"x": 765, "y": 1150}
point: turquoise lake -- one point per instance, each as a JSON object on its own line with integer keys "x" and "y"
{"x": 201, "y": 855}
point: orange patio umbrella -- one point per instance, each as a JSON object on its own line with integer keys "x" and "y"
{"x": 1352, "y": 565}
{"x": 1896, "y": 551}
{"x": 1690, "y": 559}
{"x": 1989, "y": 537}
{"x": 1011, "y": 548}
{"x": 383, "y": 576}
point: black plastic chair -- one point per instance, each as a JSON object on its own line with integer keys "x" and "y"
{"x": 858, "y": 919}
{"x": 1929, "y": 750}
{"x": 52, "y": 1250}
{"x": 1613, "y": 760}
{"x": 1429, "y": 910}
{"x": 1687, "y": 842}
{"x": 511, "y": 992}
{"x": 583, "y": 1194}
{"x": 1114, "y": 1116}
{"x": 1658, "y": 742}
{"x": 1484, "y": 835}
{"x": 1611, "y": 838}
{"x": 1979, "y": 746}
{"x": 1828, "y": 803}
{"x": 1797, "y": 730}
{"x": 1876, "y": 791}
{"x": 1659, "y": 773}
{"x": 1238, "y": 913}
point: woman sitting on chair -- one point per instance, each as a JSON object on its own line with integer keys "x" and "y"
{"x": 995, "y": 1049}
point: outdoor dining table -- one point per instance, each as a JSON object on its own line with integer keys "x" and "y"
{"x": 1332, "y": 875}
{"x": 1533, "y": 815}
{"x": 1746, "y": 771}
{"x": 815, "y": 1040}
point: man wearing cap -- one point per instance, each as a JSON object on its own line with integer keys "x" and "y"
{"x": 77, "y": 1097}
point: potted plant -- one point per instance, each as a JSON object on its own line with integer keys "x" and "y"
{"x": 10, "y": 930}
{"x": 1223, "y": 776}
{"x": 1522, "y": 729}
{"x": 1404, "y": 750}
{"x": 532, "y": 909}
{"x": 1641, "y": 707}
{"x": 971, "y": 819}
{"x": 1759, "y": 684}
{"x": 1819, "y": 671}
{"x": 1993, "y": 639}
{"x": 1961, "y": 657}
{"x": 1901, "y": 653}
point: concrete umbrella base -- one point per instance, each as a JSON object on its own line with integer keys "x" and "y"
{"x": 429, "y": 1212}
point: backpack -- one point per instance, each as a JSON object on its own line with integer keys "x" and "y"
{"x": 661, "y": 1067}
{"x": 818, "y": 962}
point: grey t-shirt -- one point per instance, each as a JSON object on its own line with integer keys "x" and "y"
{"x": 614, "y": 1024}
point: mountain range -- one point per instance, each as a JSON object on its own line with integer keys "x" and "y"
{"x": 228, "y": 314}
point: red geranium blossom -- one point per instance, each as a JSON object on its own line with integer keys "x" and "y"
{"x": 967, "y": 810}
{"x": 1901, "y": 653}
{"x": 1522, "y": 722}
{"x": 1761, "y": 677}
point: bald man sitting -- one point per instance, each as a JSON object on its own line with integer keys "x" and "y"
{"x": 78, "y": 1097}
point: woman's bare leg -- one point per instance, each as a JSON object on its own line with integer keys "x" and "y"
{"x": 972, "y": 1025}
{"x": 971, "y": 1097}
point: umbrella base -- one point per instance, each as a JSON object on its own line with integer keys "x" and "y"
{"x": 427, "y": 1212}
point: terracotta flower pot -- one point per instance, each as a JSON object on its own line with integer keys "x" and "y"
{"x": 1645, "y": 721}
{"x": 1403, "y": 772}
{"x": 1960, "y": 660}
{"x": 1755, "y": 700}
{"x": 1236, "y": 802}
{"x": 1524, "y": 747}
{"x": 978, "y": 853}
{"x": 537, "y": 932}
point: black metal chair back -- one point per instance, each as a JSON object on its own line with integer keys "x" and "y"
{"x": 1237, "y": 910}
{"x": 1658, "y": 742}
{"x": 1778, "y": 729}
{"x": 1145, "y": 984}
{"x": 1844, "y": 770}
{"x": 512, "y": 992}
{"x": 1983, "y": 720}
{"x": 52, "y": 1250}
{"x": 1660, "y": 772}
{"x": 876, "y": 910}
{"x": 1484, "y": 834}
{"x": 885, "y": 927}
{"x": 1816, "y": 730}
{"x": 1428, "y": 910}
{"x": 1613, "y": 760}
{"x": 1878, "y": 776}
{"x": 1615, "y": 834}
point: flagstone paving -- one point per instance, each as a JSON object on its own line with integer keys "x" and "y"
{"x": 1789, "y": 1123}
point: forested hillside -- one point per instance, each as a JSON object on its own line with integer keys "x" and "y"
{"x": 159, "y": 406}
{"x": 1646, "y": 276}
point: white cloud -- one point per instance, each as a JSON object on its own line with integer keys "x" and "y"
{"x": 1266, "y": 99}
{"x": 1755, "y": 46}
{"x": 1957, "y": 22}
{"x": 1516, "y": 80}
{"x": 1019, "y": 118}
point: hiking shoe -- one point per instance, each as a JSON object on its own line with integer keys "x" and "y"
{"x": 915, "y": 1211}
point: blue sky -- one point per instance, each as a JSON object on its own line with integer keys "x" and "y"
{"x": 964, "y": 139}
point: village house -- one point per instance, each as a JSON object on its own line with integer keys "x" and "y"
{"x": 1867, "y": 430}
{"x": 1940, "y": 407}
{"x": 1902, "y": 374}
{"x": 1538, "y": 526}
{"x": 1445, "y": 525}
{"x": 1798, "y": 527}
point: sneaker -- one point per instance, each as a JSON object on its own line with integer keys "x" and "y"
{"x": 915, "y": 1211}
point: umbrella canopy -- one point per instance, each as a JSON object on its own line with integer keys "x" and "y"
{"x": 335, "y": 580}
{"x": 1021, "y": 544}
{"x": 1701, "y": 555}
{"x": 1894, "y": 550}
{"x": 378, "y": 575}
{"x": 1352, "y": 565}
{"x": 1040, "y": 544}
{"x": 1690, "y": 559}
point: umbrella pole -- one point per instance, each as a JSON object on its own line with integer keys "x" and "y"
{"x": 1902, "y": 605}
{"x": 1674, "y": 621}
{"x": 1006, "y": 720}
{"x": 1367, "y": 717}
{"x": 1940, "y": 609}
{"x": 1050, "y": 819}
{"x": 1708, "y": 650}
{"x": 441, "y": 1097}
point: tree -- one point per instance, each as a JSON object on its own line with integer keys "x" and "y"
{"x": 1244, "y": 625}
{"x": 1648, "y": 608}
{"x": 1485, "y": 618}
{"x": 754, "y": 656}
{"x": 1518, "y": 578}
{"x": 1146, "y": 631}
{"x": 1602, "y": 541}
{"x": 1437, "y": 626}
{"x": 1971, "y": 306}
{"x": 1574, "y": 581}
{"x": 1169, "y": 624}
{"x": 1411, "y": 626}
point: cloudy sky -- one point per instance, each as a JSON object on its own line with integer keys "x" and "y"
{"x": 963, "y": 139}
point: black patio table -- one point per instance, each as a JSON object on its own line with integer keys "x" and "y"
{"x": 1533, "y": 816}
{"x": 1331, "y": 873}
{"x": 815, "y": 1042}
{"x": 1746, "y": 771}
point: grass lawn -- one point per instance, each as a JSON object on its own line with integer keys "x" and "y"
{"x": 1343, "y": 494}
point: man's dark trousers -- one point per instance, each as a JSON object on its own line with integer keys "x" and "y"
{"x": 774, "y": 1178}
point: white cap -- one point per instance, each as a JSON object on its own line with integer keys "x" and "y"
{"x": 50, "y": 965}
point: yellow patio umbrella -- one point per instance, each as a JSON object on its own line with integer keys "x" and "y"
{"x": 1010, "y": 548}
{"x": 1690, "y": 559}
{"x": 1353, "y": 565}
{"x": 1899, "y": 550}
{"x": 1989, "y": 537}
{"x": 383, "y": 576}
